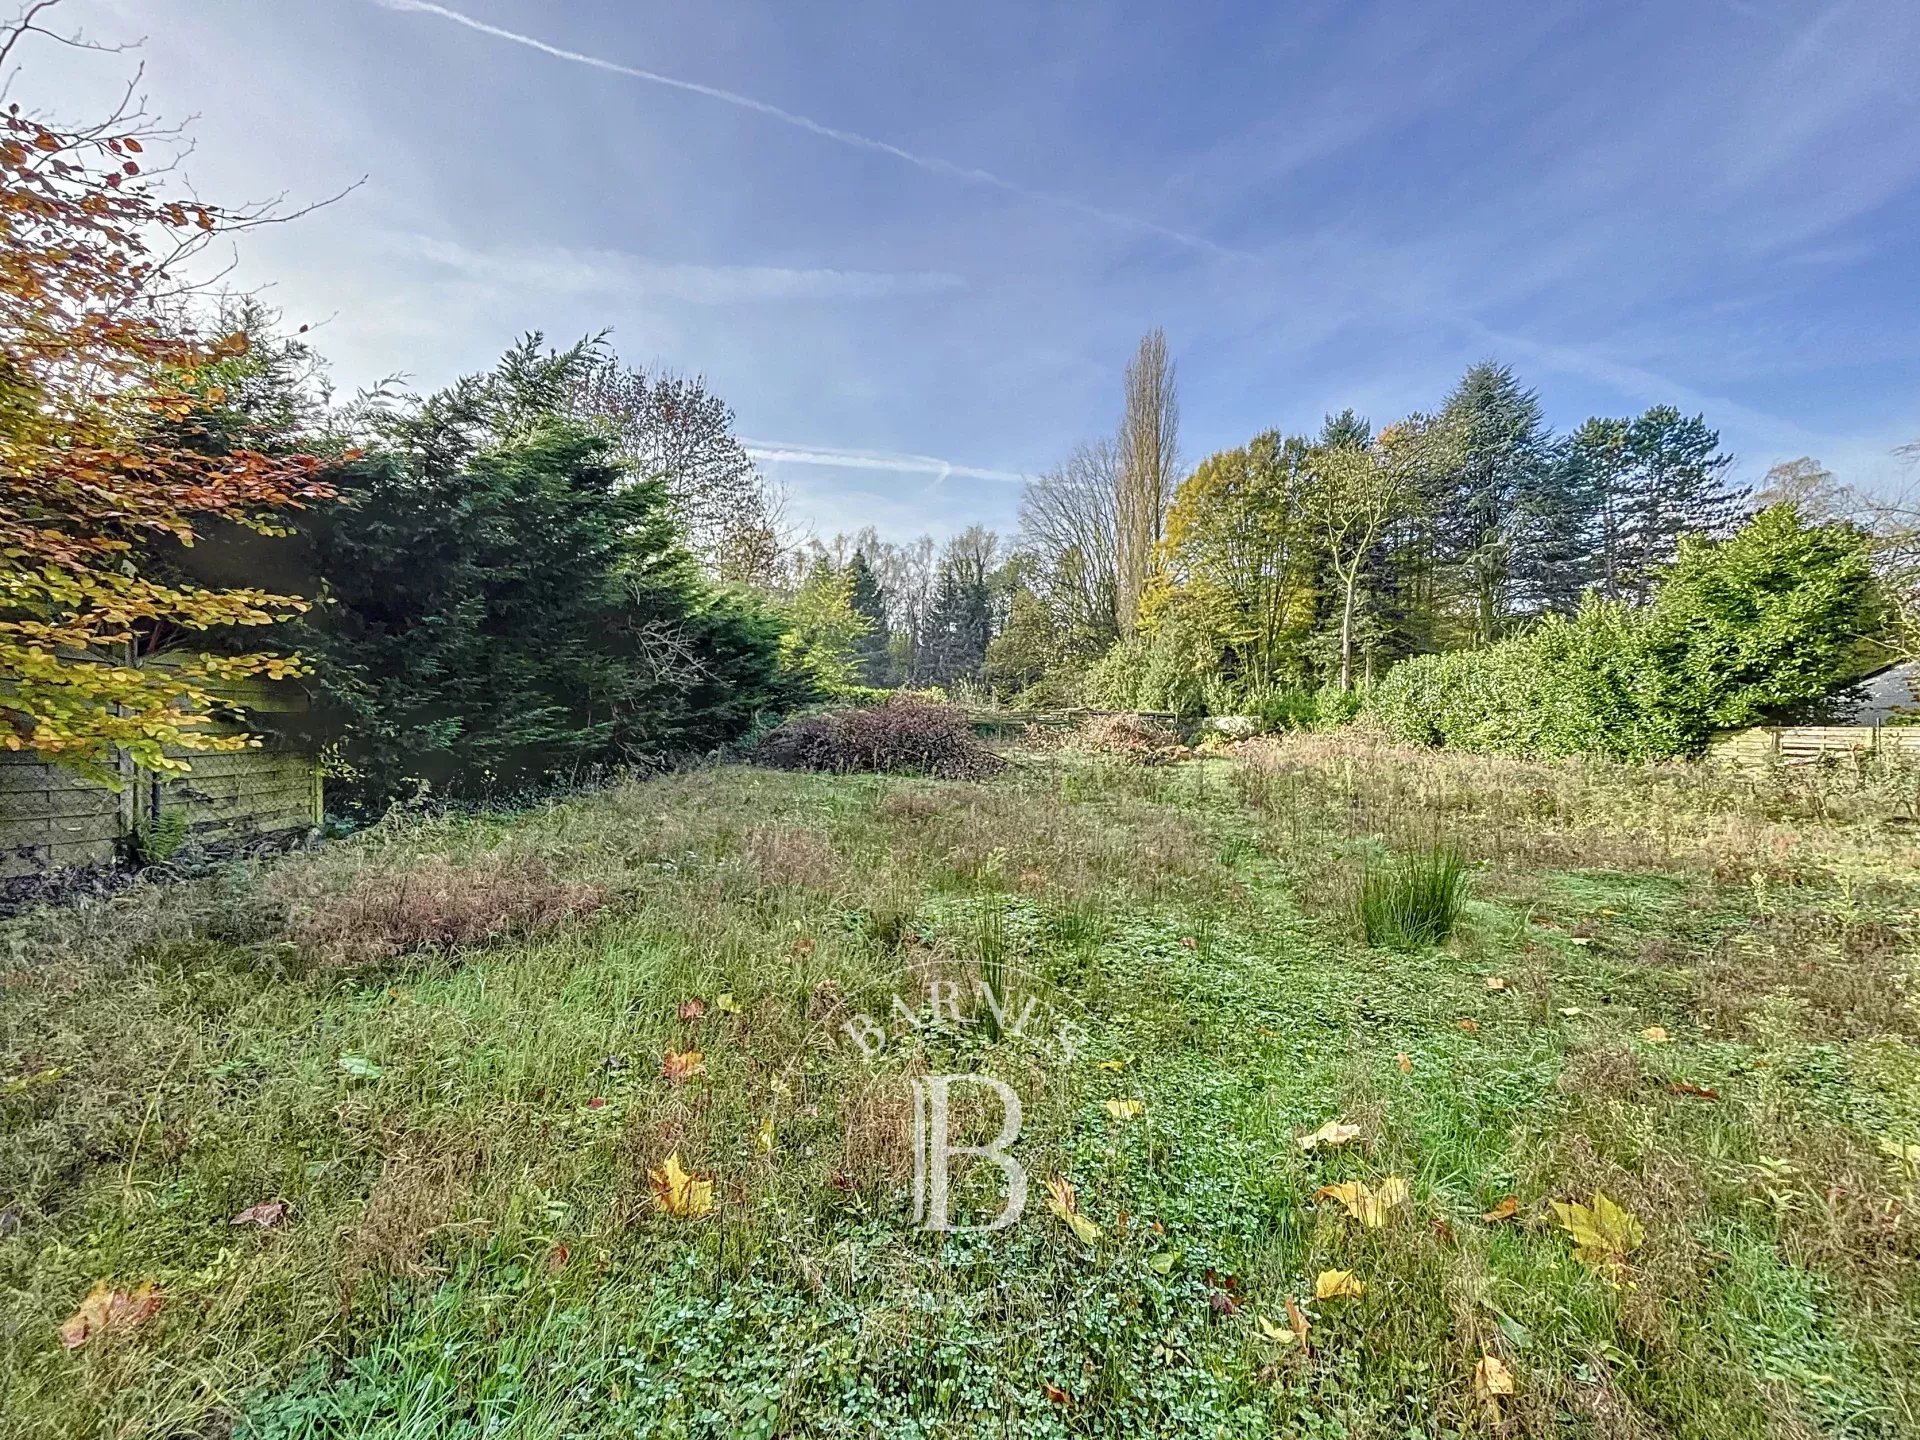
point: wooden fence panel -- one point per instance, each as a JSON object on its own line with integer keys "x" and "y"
{"x": 1808, "y": 744}
{"x": 51, "y": 819}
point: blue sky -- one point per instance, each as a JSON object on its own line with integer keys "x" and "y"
{"x": 913, "y": 244}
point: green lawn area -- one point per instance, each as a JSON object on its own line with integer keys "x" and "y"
{"x": 440, "y": 1044}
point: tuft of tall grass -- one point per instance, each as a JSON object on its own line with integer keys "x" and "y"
{"x": 1415, "y": 902}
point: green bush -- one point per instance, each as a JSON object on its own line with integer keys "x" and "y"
{"x": 1415, "y": 902}
{"x": 1739, "y": 631}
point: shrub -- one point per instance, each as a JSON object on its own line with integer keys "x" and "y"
{"x": 439, "y": 906}
{"x": 1415, "y": 902}
{"x": 903, "y": 736}
{"x": 1738, "y": 631}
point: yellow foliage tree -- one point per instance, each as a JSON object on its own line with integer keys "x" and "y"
{"x": 97, "y": 380}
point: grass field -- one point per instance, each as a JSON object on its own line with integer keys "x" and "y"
{"x": 427, "y": 1066}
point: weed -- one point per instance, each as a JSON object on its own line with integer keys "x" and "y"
{"x": 1415, "y": 901}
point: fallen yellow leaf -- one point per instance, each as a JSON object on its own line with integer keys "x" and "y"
{"x": 1472, "y": 1027}
{"x": 1905, "y": 1154}
{"x": 1496, "y": 982}
{"x": 1334, "y": 1132}
{"x": 1492, "y": 1379}
{"x": 1125, "y": 1109}
{"x": 1063, "y": 1202}
{"x": 1656, "y": 1035}
{"x": 1603, "y": 1234}
{"x": 1365, "y": 1204}
{"x": 688, "y": 1196}
{"x": 725, "y": 1003}
{"x": 1276, "y": 1334}
{"x": 1405, "y": 1062}
{"x": 106, "y": 1309}
{"x": 1338, "y": 1284}
{"x": 1296, "y": 1321}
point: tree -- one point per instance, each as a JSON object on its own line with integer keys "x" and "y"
{"x": 505, "y": 606}
{"x": 98, "y": 374}
{"x": 1356, "y": 493}
{"x": 824, "y": 629}
{"x": 875, "y": 648}
{"x": 1502, "y": 443}
{"x": 1678, "y": 488}
{"x": 960, "y": 619}
{"x": 1068, "y": 525}
{"x": 671, "y": 428}
{"x": 1808, "y": 486}
{"x": 1235, "y": 566}
{"x": 1148, "y": 470}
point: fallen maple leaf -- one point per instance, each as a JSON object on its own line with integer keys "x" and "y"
{"x": 680, "y": 1066}
{"x": 1338, "y": 1284}
{"x": 1365, "y": 1204}
{"x": 557, "y": 1258}
{"x": 1603, "y": 1234}
{"x": 1405, "y": 1062}
{"x": 1505, "y": 1210}
{"x": 106, "y": 1309}
{"x": 688, "y": 1196}
{"x": 1905, "y": 1154}
{"x": 1334, "y": 1132}
{"x": 1656, "y": 1035}
{"x": 725, "y": 1003}
{"x": 1055, "y": 1394}
{"x": 691, "y": 1009}
{"x": 266, "y": 1214}
{"x": 1472, "y": 1027}
{"x": 1063, "y": 1202}
{"x": 1496, "y": 982}
{"x": 1492, "y": 1380}
{"x": 1125, "y": 1109}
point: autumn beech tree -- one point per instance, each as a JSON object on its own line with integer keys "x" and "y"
{"x": 99, "y": 478}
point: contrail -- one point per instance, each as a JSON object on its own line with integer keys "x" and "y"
{"x": 782, "y": 452}
{"x": 857, "y": 141}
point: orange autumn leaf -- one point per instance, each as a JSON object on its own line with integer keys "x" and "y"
{"x": 106, "y": 1310}
{"x": 1405, "y": 1062}
{"x": 691, "y": 1009}
{"x": 680, "y": 1066}
{"x": 1505, "y": 1210}
{"x": 1471, "y": 1027}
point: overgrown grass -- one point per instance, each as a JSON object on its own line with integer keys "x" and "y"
{"x": 441, "y": 1045}
{"x": 1414, "y": 901}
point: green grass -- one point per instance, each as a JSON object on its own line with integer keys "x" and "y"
{"x": 1414, "y": 902}
{"x": 464, "y": 1134}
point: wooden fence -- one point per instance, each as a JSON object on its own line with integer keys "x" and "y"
{"x": 1807, "y": 744}
{"x": 50, "y": 818}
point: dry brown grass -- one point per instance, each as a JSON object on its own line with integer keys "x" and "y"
{"x": 423, "y": 1191}
{"x": 436, "y": 905}
{"x": 1129, "y": 737}
{"x": 791, "y": 855}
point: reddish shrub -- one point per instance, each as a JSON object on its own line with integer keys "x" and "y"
{"x": 904, "y": 736}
